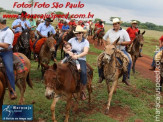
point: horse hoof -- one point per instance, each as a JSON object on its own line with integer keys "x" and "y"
{"x": 107, "y": 111}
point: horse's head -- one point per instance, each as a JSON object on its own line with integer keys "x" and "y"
{"x": 110, "y": 51}
{"x": 139, "y": 38}
{"x": 24, "y": 38}
{"x": 50, "y": 77}
{"x": 50, "y": 43}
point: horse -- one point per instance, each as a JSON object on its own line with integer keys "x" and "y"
{"x": 99, "y": 37}
{"x": 3, "y": 85}
{"x": 23, "y": 43}
{"x": 20, "y": 80}
{"x": 46, "y": 52}
{"x": 64, "y": 84}
{"x": 136, "y": 47}
{"x": 112, "y": 69}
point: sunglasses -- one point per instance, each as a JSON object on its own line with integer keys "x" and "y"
{"x": 116, "y": 23}
{"x": 79, "y": 33}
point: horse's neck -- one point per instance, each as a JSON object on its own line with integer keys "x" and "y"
{"x": 135, "y": 46}
{"x": 111, "y": 66}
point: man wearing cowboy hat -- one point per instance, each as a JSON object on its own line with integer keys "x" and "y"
{"x": 112, "y": 35}
{"x": 44, "y": 28}
{"x": 21, "y": 23}
{"x": 132, "y": 31}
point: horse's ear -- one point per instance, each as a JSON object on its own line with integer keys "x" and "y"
{"x": 22, "y": 29}
{"x": 143, "y": 33}
{"x": 54, "y": 66}
{"x": 45, "y": 66}
{"x": 116, "y": 41}
{"x": 48, "y": 34}
{"x": 138, "y": 32}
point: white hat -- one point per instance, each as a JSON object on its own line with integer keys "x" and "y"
{"x": 79, "y": 29}
{"x": 2, "y": 19}
{"x": 134, "y": 21}
{"x": 116, "y": 20}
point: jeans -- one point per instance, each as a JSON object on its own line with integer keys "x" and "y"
{"x": 7, "y": 58}
{"x": 153, "y": 62}
{"x": 83, "y": 74}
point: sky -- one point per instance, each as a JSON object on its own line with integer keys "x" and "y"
{"x": 142, "y": 10}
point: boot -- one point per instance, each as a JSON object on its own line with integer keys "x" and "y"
{"x": 140, "y": 55}
{"x": 100, "y": 80}
{"x": 152, "y": 68}
{"x": 12, "y": 94}
{"x": 126, "y": 81}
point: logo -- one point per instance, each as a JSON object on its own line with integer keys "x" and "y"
{"x": 17, "y": 112}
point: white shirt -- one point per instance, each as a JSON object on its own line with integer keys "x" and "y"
{"x": 6, "y": 36}
{"x": 113, "y": 35}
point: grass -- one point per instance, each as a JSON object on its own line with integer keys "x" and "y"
{"x": 138, "y": 100}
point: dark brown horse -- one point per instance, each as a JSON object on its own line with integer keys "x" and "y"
{"x": 3, "y": 85}
{"x": 136, "y": 47}
{"x": 23, "y": 43}
{"x": 46, "y": 52}
{"x": 20, "y": 80}
{"x": 63, "y": 80}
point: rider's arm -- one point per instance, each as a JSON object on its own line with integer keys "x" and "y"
{"x": 126, "y": 41}
{"x": 106, "y": 39}
{"x": 4, "y": 45}
{"x": 40, "y": 34}
{"x": 84, "y": 53}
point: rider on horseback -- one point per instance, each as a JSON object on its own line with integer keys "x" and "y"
{"x": 110, "y": 37}
{"x": 132, "y": 31}
{"x": 6, "y": 40}
{"x": 19, "y": 24}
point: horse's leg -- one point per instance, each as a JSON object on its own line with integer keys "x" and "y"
{"x": 1, "y": 95}
{"x": 110, "y": 95}
{"x": 23, "y": 85}
{"x": 134, "y": 62}
{"x": 89, "y": 88}
{"x": 68, "y": 105}
{"x": 55, "y": 100}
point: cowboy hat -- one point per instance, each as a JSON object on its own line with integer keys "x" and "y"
{"x": 134, "y": 22}
{"x": 79, "y": 29}
{"x": 116, "y": 20}
{"x": 2, "y": 19}
{"x": 48, "y": 20}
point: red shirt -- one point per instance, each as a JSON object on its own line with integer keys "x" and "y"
{"x": 132, "y": 32}
{"x": 60, "y": 25}
{"x": 72, "y": 23}
{"x": 96, "y": 24}
{"x": 100, "y": 26}
{"x": 161, "y": 38}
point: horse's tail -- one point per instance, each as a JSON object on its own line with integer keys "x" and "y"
{"x": 29, "y": 82}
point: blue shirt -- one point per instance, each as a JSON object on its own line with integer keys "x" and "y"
{"x": 79, "y": 46}
{"x": 65, "y": 27}
{"x": 6, "y": 36}
{"x": 43, "y": 29}
{"x": 19, "y": 29}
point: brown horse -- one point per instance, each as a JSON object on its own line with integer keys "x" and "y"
{"x": 136, "y": 47}
{"x": 20, "y": 80}
{"x": 63, "y": 80}
{"x": 112, "y": 69}
{"x": 46, "y": 52}
{"x": 3, "y": 85}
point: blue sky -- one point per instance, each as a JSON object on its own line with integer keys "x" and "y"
{"x": 142, "y": 10}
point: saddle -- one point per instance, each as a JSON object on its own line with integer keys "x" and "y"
{"x": 18, "y": 62}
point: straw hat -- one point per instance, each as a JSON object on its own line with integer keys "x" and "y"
{"x": 116, "y": 20}
{"x": 79, "y": 29}
{"x": 134, "y": 22}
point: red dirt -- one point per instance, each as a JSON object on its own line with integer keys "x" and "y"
{"x": 142, "y": 64}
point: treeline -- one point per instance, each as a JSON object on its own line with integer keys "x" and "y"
{"x": 8, "y": 11}
{"x": 147, "y": 25}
